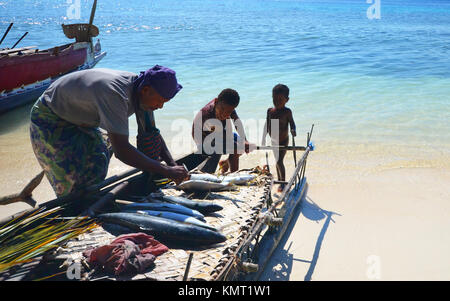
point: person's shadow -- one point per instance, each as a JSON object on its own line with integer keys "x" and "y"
{"x": 279, "y": 269}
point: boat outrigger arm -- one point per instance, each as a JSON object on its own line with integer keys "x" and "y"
{"x": 262, "y": 239}
{"x": 25, "y": 195}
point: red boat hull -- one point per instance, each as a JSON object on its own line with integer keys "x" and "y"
{"x": 22, "y": 70}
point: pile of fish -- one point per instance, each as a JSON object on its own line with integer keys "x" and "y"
{"x": 167, "y": 218}
{"x": 209, "y": 182}
{"x": 177, "y": 218}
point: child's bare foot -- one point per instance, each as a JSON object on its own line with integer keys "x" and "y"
{"x": 224, "y": 166}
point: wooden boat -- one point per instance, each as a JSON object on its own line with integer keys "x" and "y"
{"x": 26, "y": 72}
{"x": 252, "y": 221}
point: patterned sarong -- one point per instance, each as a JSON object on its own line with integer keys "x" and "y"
{"x": 72, "y": 157}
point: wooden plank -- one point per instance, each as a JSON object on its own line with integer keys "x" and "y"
{"x": 108, "y": 198}
{"x": 9, "y": 51}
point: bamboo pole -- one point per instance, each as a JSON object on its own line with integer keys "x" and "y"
{"x": 188, "y": 266}
{"x": 91, "y": 19}
{"x": 109, "y": 197}
{"x": 74, "y": 195}
{"x": 20, "y": 39}
{"x": 6, "y": 32}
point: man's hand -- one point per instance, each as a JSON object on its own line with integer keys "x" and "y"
{"x": 177, "y": 173}
{"x": 128, "y": 154}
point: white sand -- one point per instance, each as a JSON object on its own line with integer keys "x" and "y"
{"x": 390, "y": 225}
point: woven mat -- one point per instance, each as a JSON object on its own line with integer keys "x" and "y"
{"x": 240, "y": 209}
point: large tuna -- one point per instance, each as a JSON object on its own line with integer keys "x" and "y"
{"x": 163, "y": 229}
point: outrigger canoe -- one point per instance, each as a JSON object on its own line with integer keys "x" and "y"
{"x": 25, "y": 72}
{"x": 252, "y": 222}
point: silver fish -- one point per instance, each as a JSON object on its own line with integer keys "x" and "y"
{"x": 178, "y": 217}
{"x": 203, "y": 207}
{"x": 199, "y": 185}
{"x": 176, "y": 208}
{"x": 205, "y": 177}
{"x": 239, "y": 179}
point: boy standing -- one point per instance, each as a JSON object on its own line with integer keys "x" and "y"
{"x": 213, "y": 134}
{"x": 280, "y": 134}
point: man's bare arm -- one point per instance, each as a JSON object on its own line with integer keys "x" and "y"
{"x": 165, "y": 154}
{"x": 128, "y": 154}
{"x": 249, "y": 147}
{"x": 292, "y": 124}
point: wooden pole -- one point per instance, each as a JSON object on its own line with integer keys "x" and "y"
{"x": 109, "y": 197}
{"x": 188, "y": 266}
{"x": 26, "y": 194}
{"x": 310, "y": 133}
{"x": 6, "y": 33}
{"x": 74, "y": 195}
{"x": 20, "y": 39}
{"x": 286, "y": 148}
{"x": 91, "y": 19}
{"x": 294, "y": 152}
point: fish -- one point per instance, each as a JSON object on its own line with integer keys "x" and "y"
{"x": 201, "y": 185}
{"x": 175, "y": 208}
{"x": 236, "y": 178}
{"x": 163, "y": 229}
{"x": 239, "y": 179}
{"x": 203, "y": 207}
{"x": 205, "y": 177}
{"x": 177, "y": 217}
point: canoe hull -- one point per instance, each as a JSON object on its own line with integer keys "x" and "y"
{"x": 24, "y": 79}
{"x": 21, "y": 70}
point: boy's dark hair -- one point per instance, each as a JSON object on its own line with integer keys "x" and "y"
{"x": 281, "y": 89}
{"x": 229, "y": 96}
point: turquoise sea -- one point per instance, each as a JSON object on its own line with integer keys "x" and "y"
{"x": 364, "y": 83}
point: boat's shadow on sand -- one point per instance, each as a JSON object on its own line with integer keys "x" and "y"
{"x": 15, "y": 118}
{"x": 279, "y": 268}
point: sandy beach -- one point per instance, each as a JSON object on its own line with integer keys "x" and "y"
{"x": 391, "y": 225}
{"x": 354, "y": 224}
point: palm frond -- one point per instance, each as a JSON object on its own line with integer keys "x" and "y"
{"x": 27, "y": 237}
